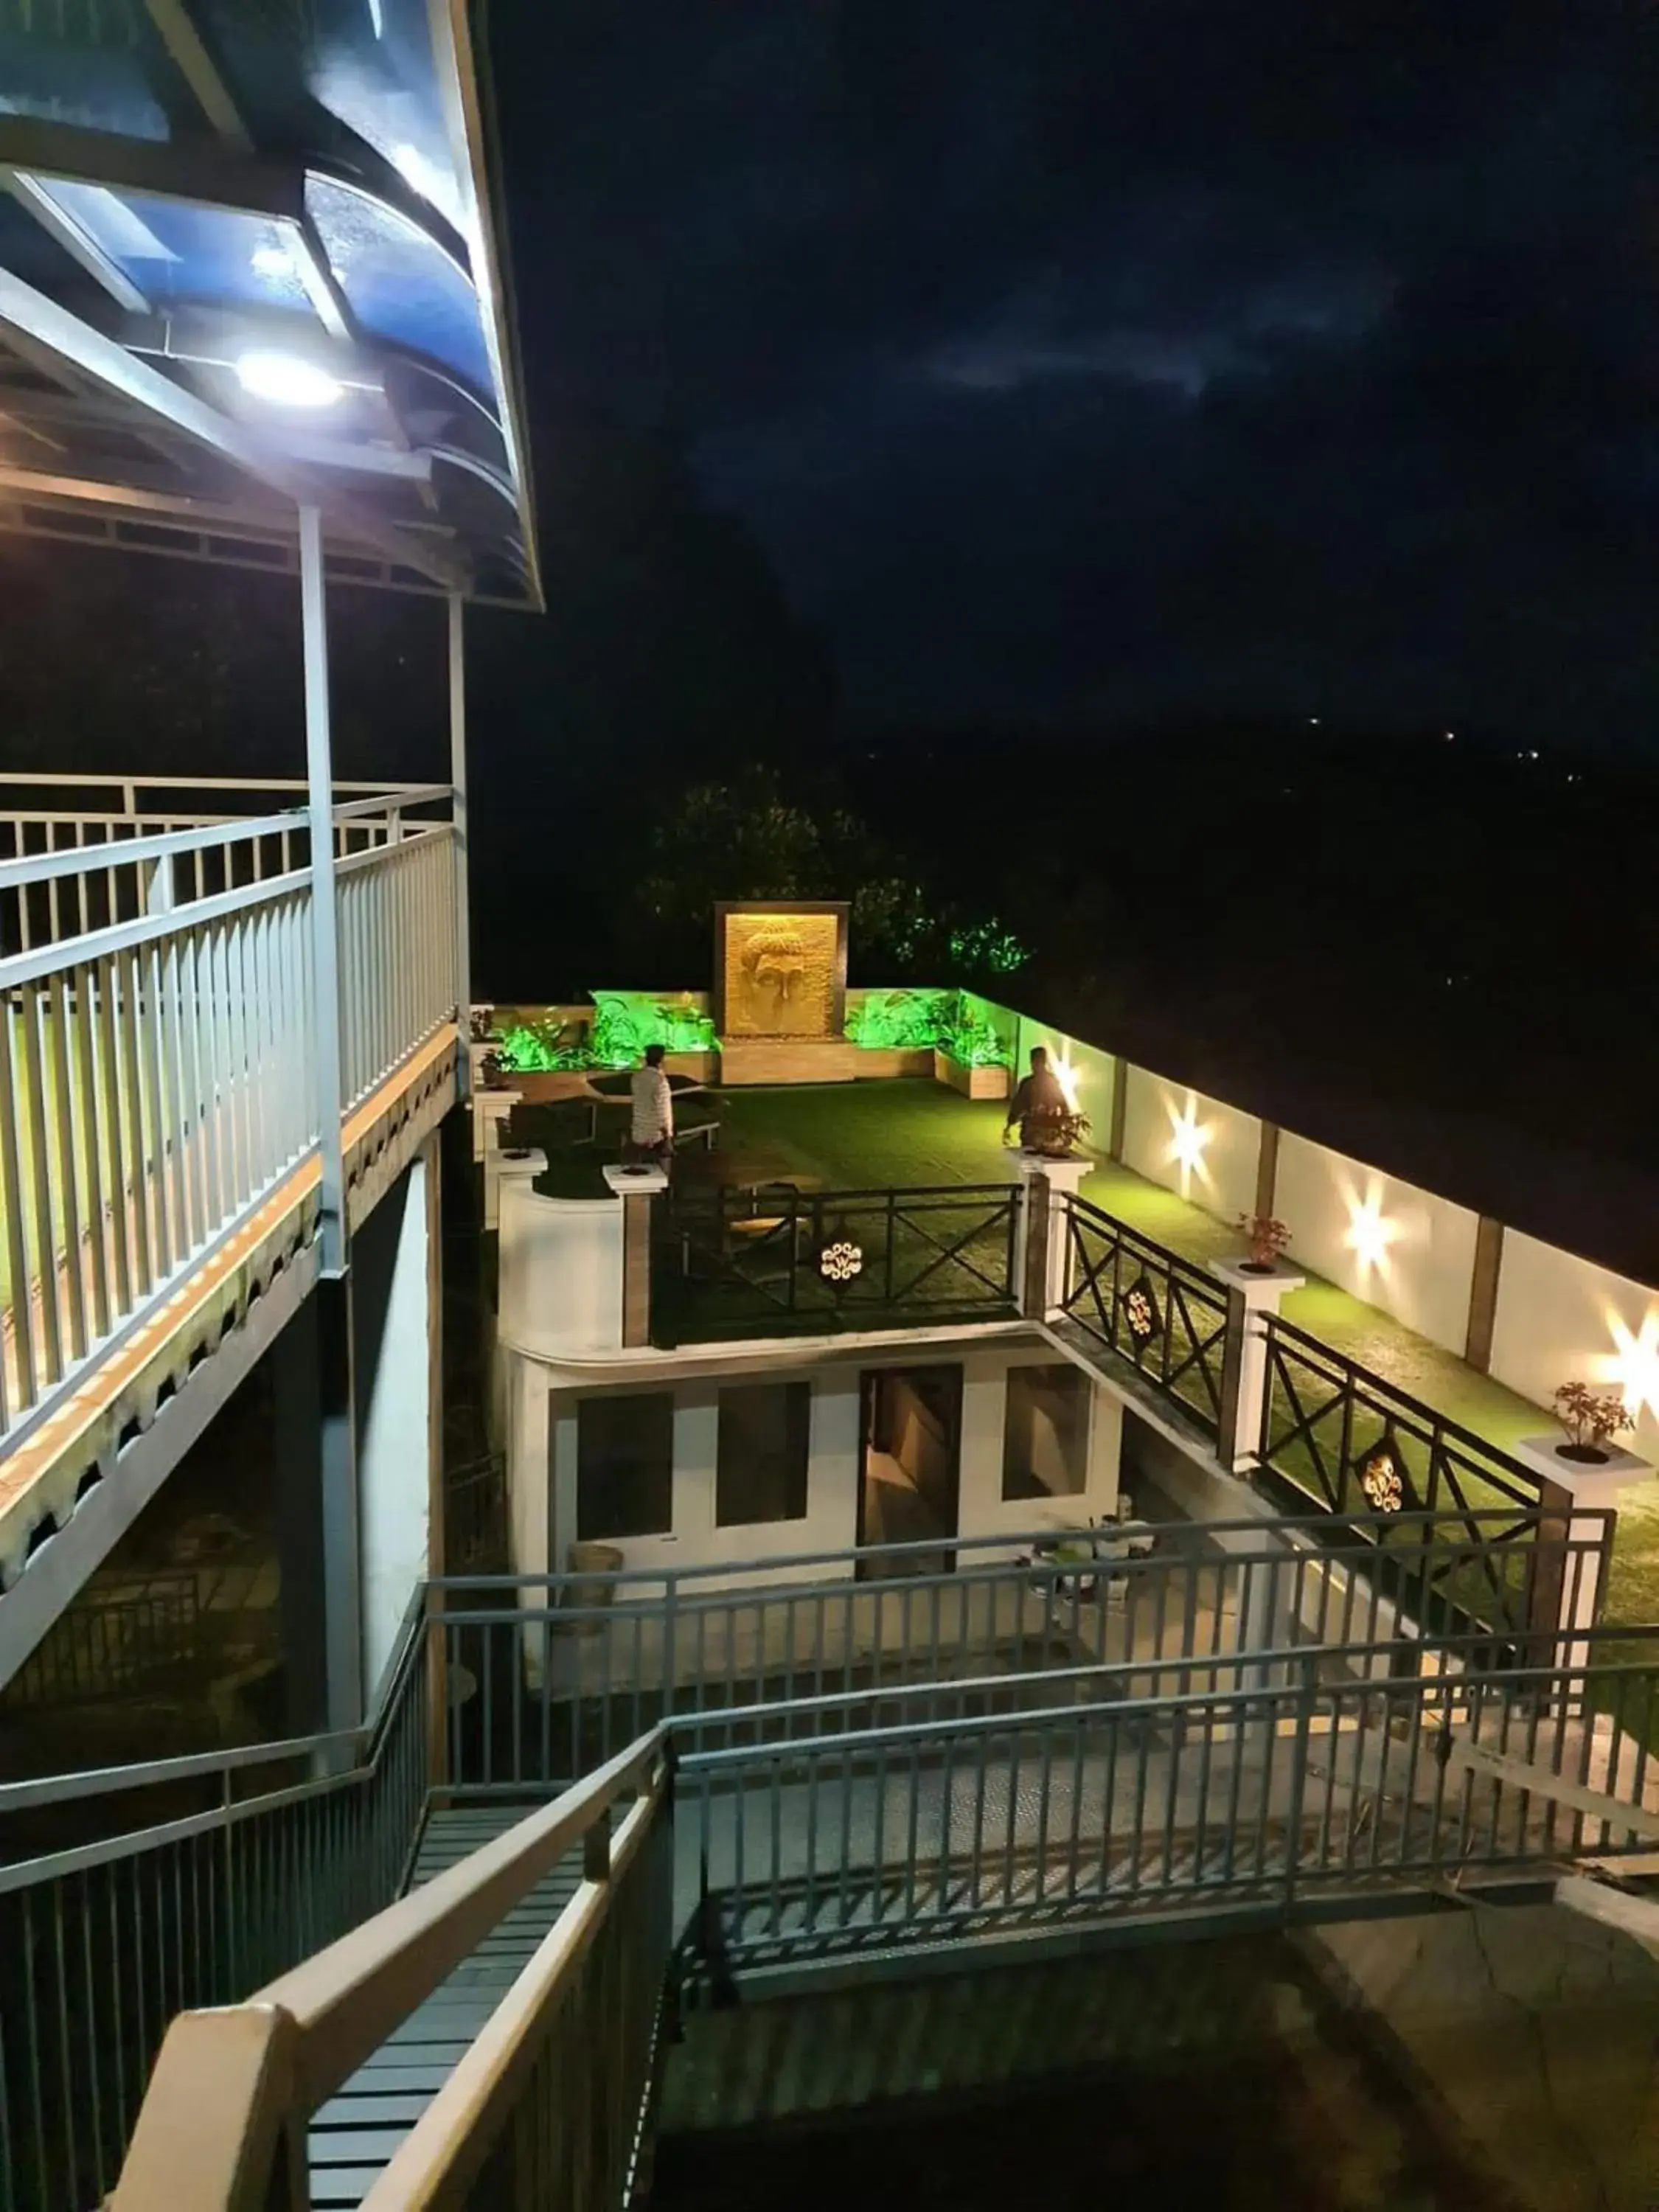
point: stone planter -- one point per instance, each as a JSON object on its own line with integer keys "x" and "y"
{"x": 971, "y": 1082}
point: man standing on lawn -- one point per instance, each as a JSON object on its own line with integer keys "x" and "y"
{"x": 652, "y": 1128}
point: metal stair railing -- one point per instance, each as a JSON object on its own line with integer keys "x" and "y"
{"x": 547, "y": 2105}
{"x": 1317, "y": 1788}
{"x": 1308, "y": 1787}
{"x": 102, "y": 1941}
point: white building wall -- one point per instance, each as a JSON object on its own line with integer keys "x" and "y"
{"x": 1561, "y": 1319}
{"x": 543, "y": 1448}
{"x": 395, "y": 1443}
{"x": 984, "y": 1511}
{"x": 1385, "y": 1241}
{"x": 1199, "y": 1147}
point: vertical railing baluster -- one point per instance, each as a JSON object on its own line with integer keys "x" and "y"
{"x": 69, "y": 1163}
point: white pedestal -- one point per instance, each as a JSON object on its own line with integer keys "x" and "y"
{"x": 1252, "y": 1292}
{"x": 1063, "y": 1177}
{"x": 491, "y": 1108}
{"x": 519, "y": 1164}
{"x": 635, "y": 1181}
{"x": 1593, "y": 1490}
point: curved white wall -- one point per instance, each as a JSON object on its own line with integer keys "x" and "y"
{"x": 560, "y": 1273}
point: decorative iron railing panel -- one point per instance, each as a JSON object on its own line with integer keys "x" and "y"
{"x": 778, "y": 1260}
{"x": 1334, "y": 1432}
{"x": 1157, "y": 1310}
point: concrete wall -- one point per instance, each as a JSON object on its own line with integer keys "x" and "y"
{"x": 1198, "y": 1146}
{"x": 1561, "y": 1319}
{"x": 1397, "y": 1246}
{"x": 560, "y": 1273}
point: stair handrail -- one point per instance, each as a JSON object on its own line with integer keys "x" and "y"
{"x": 221, "y": 2125}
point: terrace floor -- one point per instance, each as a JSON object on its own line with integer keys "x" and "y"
{"x": 876, "y": 1135}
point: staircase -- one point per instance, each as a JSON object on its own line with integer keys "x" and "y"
{"x": 353, "y": 2137}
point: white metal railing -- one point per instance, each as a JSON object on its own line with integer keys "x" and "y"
{"x": 235, "y": 843}
{"x": 159, "y": 1049}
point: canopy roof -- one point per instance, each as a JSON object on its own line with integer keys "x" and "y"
{"x": 247, "y": 262}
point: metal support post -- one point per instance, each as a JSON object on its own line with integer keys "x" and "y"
{"x": 459, "y": 832}
{"x": 324, "y": 919}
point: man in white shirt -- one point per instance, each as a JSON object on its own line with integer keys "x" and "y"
{"x": 652, "y": 1128}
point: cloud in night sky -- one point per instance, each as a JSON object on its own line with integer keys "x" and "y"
{"x": 1170, "y": 355}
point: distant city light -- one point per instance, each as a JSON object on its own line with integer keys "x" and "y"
{"x": 284, "y": 380}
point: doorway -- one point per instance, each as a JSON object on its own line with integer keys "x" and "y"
{"x": 910, "y": 1466}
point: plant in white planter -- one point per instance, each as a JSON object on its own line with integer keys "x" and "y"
{"x": 1268, "y": 1239}
{"x": 1054, "y": 1133}
{"x": 1591, "y": 1418}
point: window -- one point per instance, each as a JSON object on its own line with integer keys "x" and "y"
{"x": 1045, "y": 1436}
{"x": 625, "y": 1465}
{"x": 760, "y": 1466}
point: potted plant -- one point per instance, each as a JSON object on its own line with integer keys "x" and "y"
{"x": 1054, "y": 1133}
{"x": 970, "y": 1054}
{"x": 1591, "y": 1418}
{"x": 1268, "y": 1239}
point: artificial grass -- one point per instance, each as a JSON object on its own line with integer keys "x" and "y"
{"x": 862, "y": 1136}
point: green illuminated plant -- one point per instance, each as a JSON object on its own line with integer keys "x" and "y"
{"x": 901, "y": 1021}
{"x": 625, "y": 1022}
{"x": 988, "y": 945}
{"x": 534, "y": 1050}
{"x": 972, "y": 1039}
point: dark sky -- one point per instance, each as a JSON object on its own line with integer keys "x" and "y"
{"x": 1098, "y": 358}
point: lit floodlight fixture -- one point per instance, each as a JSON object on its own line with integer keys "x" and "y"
{"x": 1188, "y": 1136}
{"x": 284, "y": 380}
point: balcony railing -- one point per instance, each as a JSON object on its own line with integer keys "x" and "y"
{"x": 779, "y": 1261}
{"x": 1161, "y": 1312}
{"x": 159, "y": 1042}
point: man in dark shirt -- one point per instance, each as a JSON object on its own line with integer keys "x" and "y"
{"x": 1039, "y": 1099}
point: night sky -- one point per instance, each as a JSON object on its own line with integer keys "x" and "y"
{"x": 1095, "y": 362}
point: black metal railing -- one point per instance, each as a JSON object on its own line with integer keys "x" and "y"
{"x": 777, "y": 1260}
{"x": 117, "y": 1639}
{"x": 1334, "y": 1433}
{"x": 1161, "y": 1312}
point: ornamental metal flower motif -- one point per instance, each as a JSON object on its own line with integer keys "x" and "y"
{"x": 840, "y": 1261}
{"x": 1381, "y": 1479}
{"x": 1140, "y": 1313}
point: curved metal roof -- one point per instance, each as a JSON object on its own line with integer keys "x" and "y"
{"x": 248, "y": 262}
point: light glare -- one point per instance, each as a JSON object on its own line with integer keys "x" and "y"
{"x": 1370, "y": 1232}
{"x": 284, "y": 380}
{"x": 1187, "y": 1138}
{"x": 1634, "y": 1366}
